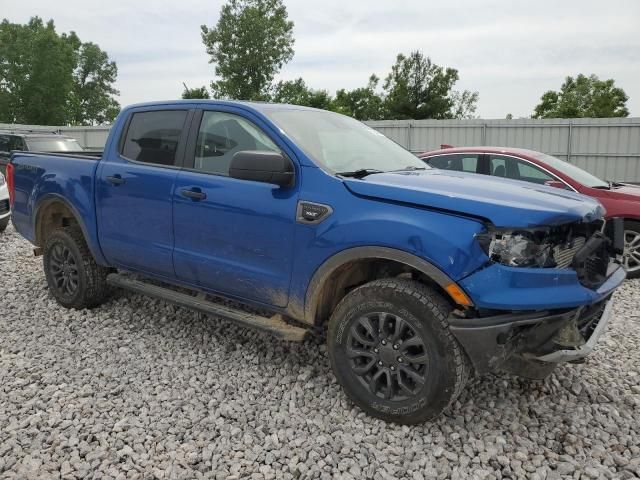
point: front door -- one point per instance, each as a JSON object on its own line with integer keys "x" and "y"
{"x": 232, "y": 236}
{"x": 134, "y": 191}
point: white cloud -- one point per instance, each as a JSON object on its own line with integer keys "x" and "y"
{"x": 511, "y": 52}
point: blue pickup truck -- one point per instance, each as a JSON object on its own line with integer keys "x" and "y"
{"x": 419, "y": 277}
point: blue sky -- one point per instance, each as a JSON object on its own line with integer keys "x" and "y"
{"x": 509, "y": 51}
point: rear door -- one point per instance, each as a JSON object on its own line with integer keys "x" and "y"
{"x": 233, "y": 236}
{"x": 134, "y": 190}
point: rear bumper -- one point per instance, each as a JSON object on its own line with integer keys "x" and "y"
{"x": 531, "y": 343}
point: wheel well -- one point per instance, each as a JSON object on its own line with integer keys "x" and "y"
{"x": 358, "y": 272}
{"x": 50, "y": 217}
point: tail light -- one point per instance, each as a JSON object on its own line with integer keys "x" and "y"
{"x": 10, "y": 184}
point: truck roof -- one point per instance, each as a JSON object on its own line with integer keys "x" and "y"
{"x": 252, "y": 104}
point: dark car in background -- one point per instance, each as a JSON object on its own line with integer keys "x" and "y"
{"x": 619, "y": 199}
{"x": 34, "y": 141}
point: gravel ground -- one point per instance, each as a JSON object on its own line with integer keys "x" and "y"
{"x": 141, "y": 389}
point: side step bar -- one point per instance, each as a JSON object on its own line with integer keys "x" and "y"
{"x": 274, "y": 325}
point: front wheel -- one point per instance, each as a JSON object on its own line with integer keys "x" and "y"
{"x": 391, "y": 350}
{"x": 631, "y": 255}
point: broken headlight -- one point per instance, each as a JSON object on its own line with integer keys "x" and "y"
{"x": 521, "y": 248}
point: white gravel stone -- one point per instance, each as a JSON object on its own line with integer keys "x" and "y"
{"x": 141, "y": 389}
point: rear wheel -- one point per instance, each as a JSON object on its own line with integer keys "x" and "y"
{"x": 73, "y": 276}
{"x": 3, "y": 224}
{"x": 392, "y": 352}
{"x": 632, "y": 248}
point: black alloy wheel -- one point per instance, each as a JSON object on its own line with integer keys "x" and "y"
{"x": 388, "y": 356}
{"x": 64, "y": 270}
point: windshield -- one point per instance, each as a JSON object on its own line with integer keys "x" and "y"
{"x": 572, "y": 171}
{"x": 53, "y": 145}
{"x": 342, "y": 144}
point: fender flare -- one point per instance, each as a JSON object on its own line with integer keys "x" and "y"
{"x": 361, "y": 253}
{"x": 50, "y": 198}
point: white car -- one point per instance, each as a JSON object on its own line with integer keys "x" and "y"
{"x": 5, "y": 211}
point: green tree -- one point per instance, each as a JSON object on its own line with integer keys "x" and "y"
{"x": 92, "y": 99}
{"x": 48, "y": 78}
{"x": 583, "y": 97}
{"x": 36, "y": 73}
{"x": 251, "y": 42}
{"x": 198, "y": 92}
{"x": 296, "y": 92}
{"x": 464, "y": 104}
{"x": 416, "y": 88}
{"x": 362, "y": 103}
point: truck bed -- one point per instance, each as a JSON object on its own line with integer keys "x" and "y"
{"x": 40, "y": 175}
{"x": 85, "y": 155}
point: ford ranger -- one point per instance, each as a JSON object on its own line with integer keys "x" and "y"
{"x": 419, "y": 277}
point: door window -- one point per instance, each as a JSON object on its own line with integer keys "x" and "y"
{"x": 499, "y": 165}
{"x": 532, "y": 174}
{"x": 517, "y": 169}
{"x": 153, "y": 137}
{"x": 221, "y": 136}
{"x": 461, "y": 162}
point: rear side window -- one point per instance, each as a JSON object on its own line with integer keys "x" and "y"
{"x": 461, "y": 162}
{"x": 153, "y": 137}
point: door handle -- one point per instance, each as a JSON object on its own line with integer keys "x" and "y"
{"x": 194, "y": 194}
{"x": 115, "y": 179}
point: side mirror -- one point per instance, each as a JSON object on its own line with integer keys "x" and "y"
{"x": 262, "y": 166}
{"x": 555, "y": 184}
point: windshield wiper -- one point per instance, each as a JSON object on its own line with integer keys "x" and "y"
{"x": 360, "y": 173}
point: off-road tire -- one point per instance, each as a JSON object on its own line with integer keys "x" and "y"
{"x": 426, "y": 312}
{"x": 632, "y": 226}
{"x": 3, "y": 224}
{"x": 92, "y": 288}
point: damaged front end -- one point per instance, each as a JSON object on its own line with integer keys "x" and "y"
{"x": 530, "y": 343}
{"x": 586, "y": 247}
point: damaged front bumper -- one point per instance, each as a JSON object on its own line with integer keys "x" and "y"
{"x": 530, "y": 344}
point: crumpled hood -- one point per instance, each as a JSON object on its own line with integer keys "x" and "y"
{"x": 504, "y": 202}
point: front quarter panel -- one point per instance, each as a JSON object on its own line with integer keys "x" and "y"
{"x": 446, "y": 241}
{"x": 616, "y": 204}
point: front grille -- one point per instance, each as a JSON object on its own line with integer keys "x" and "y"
{"x": 563, "y": 254}
{"x": 4, "y": 207}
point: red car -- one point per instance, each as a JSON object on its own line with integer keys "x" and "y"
{"x": 619, "y": 199}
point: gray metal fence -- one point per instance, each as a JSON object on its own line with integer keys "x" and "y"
{"x": 606, "y": 147}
